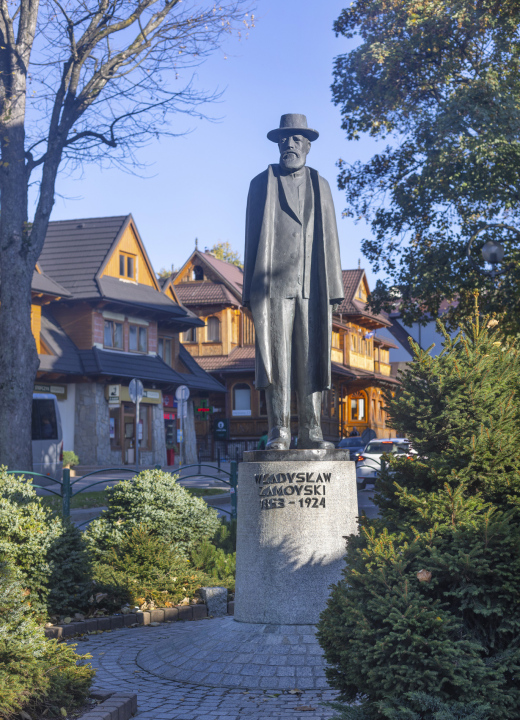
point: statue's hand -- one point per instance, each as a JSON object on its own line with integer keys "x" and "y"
{"x": 335, "y": 307}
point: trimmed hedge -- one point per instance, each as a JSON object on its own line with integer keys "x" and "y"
{"x": 155, "y": 500}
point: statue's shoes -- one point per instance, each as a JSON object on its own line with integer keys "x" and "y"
{"x": 314, "y": 445}
{"x": 276, "y": 444}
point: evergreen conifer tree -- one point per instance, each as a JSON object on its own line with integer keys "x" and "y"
{"x": 426, "y": 620}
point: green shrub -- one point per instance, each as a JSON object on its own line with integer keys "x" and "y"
{"x": 153, "y": 499}
{"x": 70, "y": 579}
{"x": 218, "y": 565}
{"x": 226, "y": 536}
{"x": 426, "y": 621}
{"x": 35, "y": 673}
{"x": 70, "y": 459}
{"x": 28, "y": 530}
{"x": 142, "y": 567}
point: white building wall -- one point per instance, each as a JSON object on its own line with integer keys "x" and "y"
{"x": 68, "y": 416}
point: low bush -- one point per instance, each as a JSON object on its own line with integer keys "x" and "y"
{"x": 218, "y": 565}
{"x": 36, "y": 674}
{"x": 70, "y": 577}
{"x": 142, "y": 568}
{"x": 155, "y": 500}
{"x": 70, "y": 459}
{"x": 226, "y": 535}
{"x": 28, "y": 531}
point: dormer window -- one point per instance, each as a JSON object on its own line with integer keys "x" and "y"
{"x": 197, "y": 273}
{"x": 127, "y": 266}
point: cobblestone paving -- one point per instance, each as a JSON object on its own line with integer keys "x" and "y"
{"x": 115, "y": 656}
{"x": 225, "y": 653}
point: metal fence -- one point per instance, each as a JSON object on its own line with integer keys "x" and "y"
{"x": 220, "y": 451}
{"x": 66, "y": 492}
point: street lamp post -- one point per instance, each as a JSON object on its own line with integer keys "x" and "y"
{"x": 493, "y": 252}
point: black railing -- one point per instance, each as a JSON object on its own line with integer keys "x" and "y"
{"x": 66, "y": 493}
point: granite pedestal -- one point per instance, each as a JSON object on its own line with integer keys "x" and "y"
{"x": 295, "y": 508}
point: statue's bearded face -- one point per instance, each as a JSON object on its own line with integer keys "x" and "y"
{"x": 293, "y": 151}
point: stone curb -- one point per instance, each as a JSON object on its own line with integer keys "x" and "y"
{"x": 117, "y": 706}
{"x": 111, "y": 622}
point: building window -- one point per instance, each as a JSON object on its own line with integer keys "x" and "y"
{"x": 113, "y": 335}
{"x": 190, "y": 335}
{"x": 242, "y": 399}
{"x": 358, "y": 407}
{"x": 137, "y": 339}
{"x": 213, "y": 329}
{"x": 197, "y": 273}
{"x": 127, "y": 265}
{"x": 354, "y": 342}
{"x": 335, "y": 340}
{"x": 164, "y": 350}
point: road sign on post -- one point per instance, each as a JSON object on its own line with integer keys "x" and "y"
{"x": 181, "y": 395}
{"x": 136, "y": 390}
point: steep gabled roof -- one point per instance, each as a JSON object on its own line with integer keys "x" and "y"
{"x": 352, "y": 306}
{"x": 44, "y": 285}
{"x": 75, "y": 250}
{"x": 231, "y": 276}
{"x": 76, "y": 253}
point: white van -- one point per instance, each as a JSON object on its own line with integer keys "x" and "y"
{"x": 47, "y": 435}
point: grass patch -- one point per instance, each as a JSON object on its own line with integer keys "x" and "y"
{"x": 98, "y": 498}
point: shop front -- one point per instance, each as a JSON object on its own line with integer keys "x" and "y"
{"x": 125, "y": 428}
{"x": 170, "y": 427}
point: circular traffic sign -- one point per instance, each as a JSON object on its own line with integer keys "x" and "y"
{"x": 182, "y": 393}
{"x": 136, "y": 390}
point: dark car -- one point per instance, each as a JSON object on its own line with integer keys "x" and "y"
{"x": 354, "y": 444}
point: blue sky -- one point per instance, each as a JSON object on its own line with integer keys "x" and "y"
{"x": 196, "y": 185}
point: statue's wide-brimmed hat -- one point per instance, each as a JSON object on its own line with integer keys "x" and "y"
{"x": 293, "y": 124}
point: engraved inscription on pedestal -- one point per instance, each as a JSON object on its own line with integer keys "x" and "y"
{"x": 278, "y": 490}
{"x": 292, "y": 521}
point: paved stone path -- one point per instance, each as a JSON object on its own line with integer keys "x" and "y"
{"x": 143, "y": 660}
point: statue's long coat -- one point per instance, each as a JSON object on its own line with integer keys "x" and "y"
{"x": 262, "y": 205}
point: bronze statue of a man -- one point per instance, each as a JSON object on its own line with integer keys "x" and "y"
{"x": 292, "y": 278}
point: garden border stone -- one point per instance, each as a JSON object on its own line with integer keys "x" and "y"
{"x": 112, "y": 622}
{"x": 113, "y": 706}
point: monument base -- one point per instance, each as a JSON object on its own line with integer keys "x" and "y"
{"x": 294, "y": 511}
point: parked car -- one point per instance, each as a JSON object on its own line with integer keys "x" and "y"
{"x": 47, "y": 435}
{"x": 354, "y": 444}
{"x": 369, "y": 461}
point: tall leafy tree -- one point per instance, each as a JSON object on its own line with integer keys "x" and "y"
{"x": 82, "y": 80}
{"x": 224, "y": 251}
{"x": 440, "y": 83}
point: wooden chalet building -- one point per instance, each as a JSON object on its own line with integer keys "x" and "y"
{"x": 225, "y": 347}
{"x": 100, "y": 318}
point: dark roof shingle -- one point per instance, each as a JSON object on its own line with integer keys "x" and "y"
{"x": 42, "y": 283}
{"x": 241, "y": 358}
{"x": 65, "y": 357}
{"x": 351, "y": 306}
{"x": 74, "y": 251}
{"x": 204, "y": 293}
